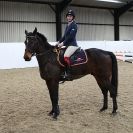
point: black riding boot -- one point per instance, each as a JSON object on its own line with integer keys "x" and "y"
{"x": 68, "y": 75}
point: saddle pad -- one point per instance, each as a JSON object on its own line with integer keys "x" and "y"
{"x": 78, "y": 58}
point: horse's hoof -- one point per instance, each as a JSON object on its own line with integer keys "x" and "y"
{"x": 114, "y": 112}
{"x": 50, "y": 113}
{"x": 55, "y": 116}
{"x": 103, "y": 109}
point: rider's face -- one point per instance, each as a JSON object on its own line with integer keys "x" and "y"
{"x": 69, "y": 18}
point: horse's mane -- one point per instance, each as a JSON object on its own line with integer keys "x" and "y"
{"x": 51, "y": 57}
{"x": 44, "y": 39}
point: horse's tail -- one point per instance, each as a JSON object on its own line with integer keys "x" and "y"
{"x": 114, "y": 80}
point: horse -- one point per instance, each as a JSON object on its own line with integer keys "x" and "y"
{"x": 101, "y": 64}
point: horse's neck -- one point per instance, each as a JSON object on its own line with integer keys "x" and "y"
{"x": 47, "y": 57}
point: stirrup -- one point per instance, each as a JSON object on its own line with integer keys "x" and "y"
{"x": 68, "y": 77}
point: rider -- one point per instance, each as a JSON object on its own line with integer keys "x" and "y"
{"x": 69, "y": 40}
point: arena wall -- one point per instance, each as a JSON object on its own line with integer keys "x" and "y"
{"x": 15, "y": 17}
{"x": 11, "y": 54}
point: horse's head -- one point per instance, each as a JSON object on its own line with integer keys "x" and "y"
{"x": 36, "y": 44}
{"x": 31, "y": 44}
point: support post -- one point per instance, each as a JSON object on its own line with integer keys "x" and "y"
{"x": 58, "y": 23}
{"x": 59, "y": 9}
{"x": 117, "y": 13}
{"x": 116, "y": 25}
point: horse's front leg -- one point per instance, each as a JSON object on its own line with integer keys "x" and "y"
{"x": 53, "y": 87}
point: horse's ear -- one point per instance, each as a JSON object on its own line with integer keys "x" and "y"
{"x": 35, "y": 31}
{"x": 26, "y": 32}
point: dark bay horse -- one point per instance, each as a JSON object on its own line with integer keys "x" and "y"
{"x": 101, "y": 64}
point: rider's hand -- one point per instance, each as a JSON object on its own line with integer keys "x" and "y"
{"x": 57, "y": 43}
{"x": 60, "y": 44}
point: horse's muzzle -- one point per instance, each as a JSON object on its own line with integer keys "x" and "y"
{"x": 27, "y": 59}
{"x": 27, "y": 56}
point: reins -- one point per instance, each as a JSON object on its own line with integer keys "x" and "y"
{"x": 40, "y": 54}
{"x": 55, "y": 50}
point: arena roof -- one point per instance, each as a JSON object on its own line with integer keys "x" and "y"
{"x": 101, "y": 3}
{"x": 90, "y": 3}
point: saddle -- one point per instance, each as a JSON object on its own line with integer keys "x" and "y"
{"x": 79, "y": 57}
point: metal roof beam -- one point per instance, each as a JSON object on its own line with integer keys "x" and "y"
{"x": 117, "y": 13}
{"x": 87, "y": 6}
{"x": 125, "y": 8}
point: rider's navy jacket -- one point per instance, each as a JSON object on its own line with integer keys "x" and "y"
{"x": 69, "y": 38}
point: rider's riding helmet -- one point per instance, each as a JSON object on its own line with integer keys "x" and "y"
{"x": 71, "y": 12}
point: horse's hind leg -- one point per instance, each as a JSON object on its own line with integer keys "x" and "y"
{"x": 105, "y": 95}
{"x": 105, "y": 99}
{"x": 106, "y": 85}
{"x": 115, "y": 107}
{"x": 113, "y": 95}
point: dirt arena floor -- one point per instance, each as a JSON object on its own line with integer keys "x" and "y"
{"x": 24, "y": 104}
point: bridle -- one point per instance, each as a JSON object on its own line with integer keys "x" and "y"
{"x": 26, "y": 43}
{"x": 34, "y": 53}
